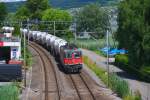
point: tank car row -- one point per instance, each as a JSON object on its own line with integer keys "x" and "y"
{"x": 69, "y": 56}
{"x": 8, "y": 29}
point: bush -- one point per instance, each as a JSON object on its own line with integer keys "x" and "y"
{"x": 137, "y": 96}
{"x": 119, "y": 85}
{"x": 115, "y": 83}
{"x": 9, "y": 92}
{"x": 145, "y": 69}
{"x": 121, "y": 60}
{"x": 144, "y": 73}
{"x": 16, "y": 31}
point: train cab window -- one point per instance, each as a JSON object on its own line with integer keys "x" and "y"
{"x": 68, "y": 54}
{"x": 77, "y": 54}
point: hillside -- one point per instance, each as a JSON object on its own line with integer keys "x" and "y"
{"x": 65, "y": 4}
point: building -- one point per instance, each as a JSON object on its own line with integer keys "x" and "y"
{"x": 10, "y": 49}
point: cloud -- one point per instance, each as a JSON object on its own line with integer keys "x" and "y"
{"x": 11, "y": 0}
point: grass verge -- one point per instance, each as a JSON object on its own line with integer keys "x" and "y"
{"x": 28, "y": 55}
{"x": 117, "y": 84}
{"x": 9, "y": 92}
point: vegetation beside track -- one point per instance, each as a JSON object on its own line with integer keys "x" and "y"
{"x": 9, "y": 92}
{"x": 94, "y": 45}
{"x": 117, "y": 84}
{"x": 28, "y": 56}
{"x": 122, "y": 62}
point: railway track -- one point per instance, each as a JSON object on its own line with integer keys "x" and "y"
{"x": 49, "y": 82}
{"x": 60, "y": 86}
{"x": 82, "y": 88}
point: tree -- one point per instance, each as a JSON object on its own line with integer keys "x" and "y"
{"x": 16, "y": 30}
{"x": 92, "y": 18}
{"x": 58, "y": 16}
{"x": 134, "y": 31}
{"x": 3, "y": 11}
{"x": 36, "y": 7}
{"x": 22, "y": 13}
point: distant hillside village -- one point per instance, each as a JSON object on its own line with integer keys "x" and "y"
{"x": 64, "y": 4}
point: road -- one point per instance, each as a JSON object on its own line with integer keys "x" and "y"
{"x": 134, "y": 83}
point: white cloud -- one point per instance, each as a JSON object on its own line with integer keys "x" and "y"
{"x": 11, "y": 0}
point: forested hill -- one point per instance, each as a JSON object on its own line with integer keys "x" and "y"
{"x": 12, "y": 6}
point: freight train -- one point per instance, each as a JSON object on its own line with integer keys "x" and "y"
{"x": 69, "y": 56}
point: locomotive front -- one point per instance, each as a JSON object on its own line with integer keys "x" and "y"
{"x": 71, "y": 58}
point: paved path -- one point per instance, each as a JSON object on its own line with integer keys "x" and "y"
{"x": 134, "y": 84}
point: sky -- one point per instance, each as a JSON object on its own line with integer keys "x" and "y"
{"x": 11, "y": 0}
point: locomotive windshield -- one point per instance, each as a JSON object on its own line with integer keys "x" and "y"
{"x": 77, "y": 54}
{"x": 73, "y": 54}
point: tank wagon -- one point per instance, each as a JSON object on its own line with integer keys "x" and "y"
{"x": 8, "y": 29}
{"x": 69, "y": 56}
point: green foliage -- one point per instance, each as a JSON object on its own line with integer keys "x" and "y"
{"x": 58, "y": 15}
{"x": 122, "y": 59}
{"x": 29, "y": 60}
{"x": 3, "y": 11}
{"x": 22, "y": 13}
{"x": 16, "y": 31}
{"x": 88, "y": 44}
{"x": 145, "y": 70}
{"x": 130, "y": 96}
{"x": 10, "y": 17}
{"x": 143, "y": 73}
{"x": 115, "y": 83}
{"x": 67, "y": 35}
{"x": 32, "y": 9}
{"x": 36, "y": 7}
{"x": 28, "y": 55}
{"x": 134, "y": 32}
{"x": 92, "y": 18}
{"x": 9, "y": 92}
{"x": 119, "y": 85}
{"x": 93, "y": 44}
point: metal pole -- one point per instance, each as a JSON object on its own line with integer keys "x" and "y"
{"x": 108, "y": 56}
{"x": 21, "y": 27}
{"x": 24, "y": 60}
{"x": 28, "y": 29}
{"x": 54, "y": 28}
{"x": 75, "y": 32}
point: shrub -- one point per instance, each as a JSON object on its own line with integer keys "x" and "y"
{"x": 130, "y": 96}
{"x": 9, "y": 92}
{"x": 117, "y": 84}
{"x": 146, "y": 70}
{"x": 121, "y": 60}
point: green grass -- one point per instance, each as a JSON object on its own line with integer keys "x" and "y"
{"x": 117, "y": 84}
{"x": 136, "y": 96}
{"x": 29, "y": 60}
{"x": 143, "y": 73}
{"x": 93, "y": 45}
{"x": 28, "y": 55}
{"x": 9, "y": 92}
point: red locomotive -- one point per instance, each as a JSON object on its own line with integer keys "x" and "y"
{"x": 71, "y": 58}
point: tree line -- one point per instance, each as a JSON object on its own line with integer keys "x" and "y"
{"x": 134, "y": 31}
{"x": 91, "y": 18}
